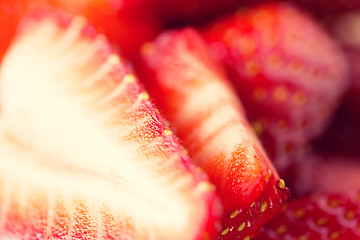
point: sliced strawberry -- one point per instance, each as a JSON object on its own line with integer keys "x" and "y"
{"x": 290, "y": 81}
{"x": 332, "y": 216}
{"x": 199, "y": 102}
{"x": 84, "y": 153}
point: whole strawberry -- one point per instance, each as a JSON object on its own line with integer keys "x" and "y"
{"x": 288, "y": 72}
{"x": 326, "y": 216}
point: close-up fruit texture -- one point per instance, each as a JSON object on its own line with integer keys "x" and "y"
{"x": 179, "y": 120}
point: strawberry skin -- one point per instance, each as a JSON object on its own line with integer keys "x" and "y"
{"x": 326, "y": 216}
{"x": 84, "y": 153}
{"x": 323, "y": 172}
{"x": 346, "y": 29}
{"x": 289, "y": 81}
{"x": 195, "y": 96}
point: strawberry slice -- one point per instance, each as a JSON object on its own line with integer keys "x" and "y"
{"x": 198, "y": 101}
{"x": 290, "y": 81}
{"x": 84, "y": 153}
{"x": 327, "y": 216}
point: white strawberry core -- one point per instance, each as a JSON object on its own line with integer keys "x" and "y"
{"x": 52, "y": 141}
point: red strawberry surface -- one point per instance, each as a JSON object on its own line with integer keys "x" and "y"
{"x": 323, "y": 216}
{"x": 341, "y": 137}
{"x": 289, "y": 74}
{"x": 346, "y": 29}
{"x": 196, "y": 97}
{"x": 321, "y": 172}
{"x": 84, "y": 153}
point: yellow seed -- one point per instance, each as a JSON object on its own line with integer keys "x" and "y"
{"x": 303, "y": 237}
{"x": 321, "y": 221}
{"x": 129, "y": 78}
{"x": 247, "y": 237}
{"x": 241, "y": 227}
{"x": 252, "y": 204}
{"x": 147, "y": 49}
{"x": 205, "y": 186}
{"x": 299, "y": 213}
{"x": 258, "y": 128}
{"x": 246, "y": 45}
{"x": 334, "y": 235}
{"x": 259, "y": 94}
{"x": 263, "y": 207}
{"x": 274, "y": 61}
{"x": 333, "y": 203}
{"x": 268, "y": 176}
{"x": 281, "y": 184}
{"x": 280, "y": 94}
{"x": 280, "y": 230}
{"x": 225, "y": 231}
{"x": 262, "y": 19}
{"x": 78, "y": 22}
{"x": 251, "y": 68}
{"x": 269, "y": 37}
{"x": 282, "y": 125}
{"x": 168, "y": 132}
{"x": 234, "y": 214}
{"x": 350, "y": 215}
{"x": 295, "y": 67}
{"x": 144, "y": 96}
{"x": 299, "y": 98}
{"x": 113, "y": 59}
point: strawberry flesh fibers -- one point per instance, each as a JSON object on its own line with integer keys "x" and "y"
{"x": 289, "y": 74}
{"x": 326, "y": 216}
{"x": 197, "y": 99}
{"x": 84, "y": 153}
